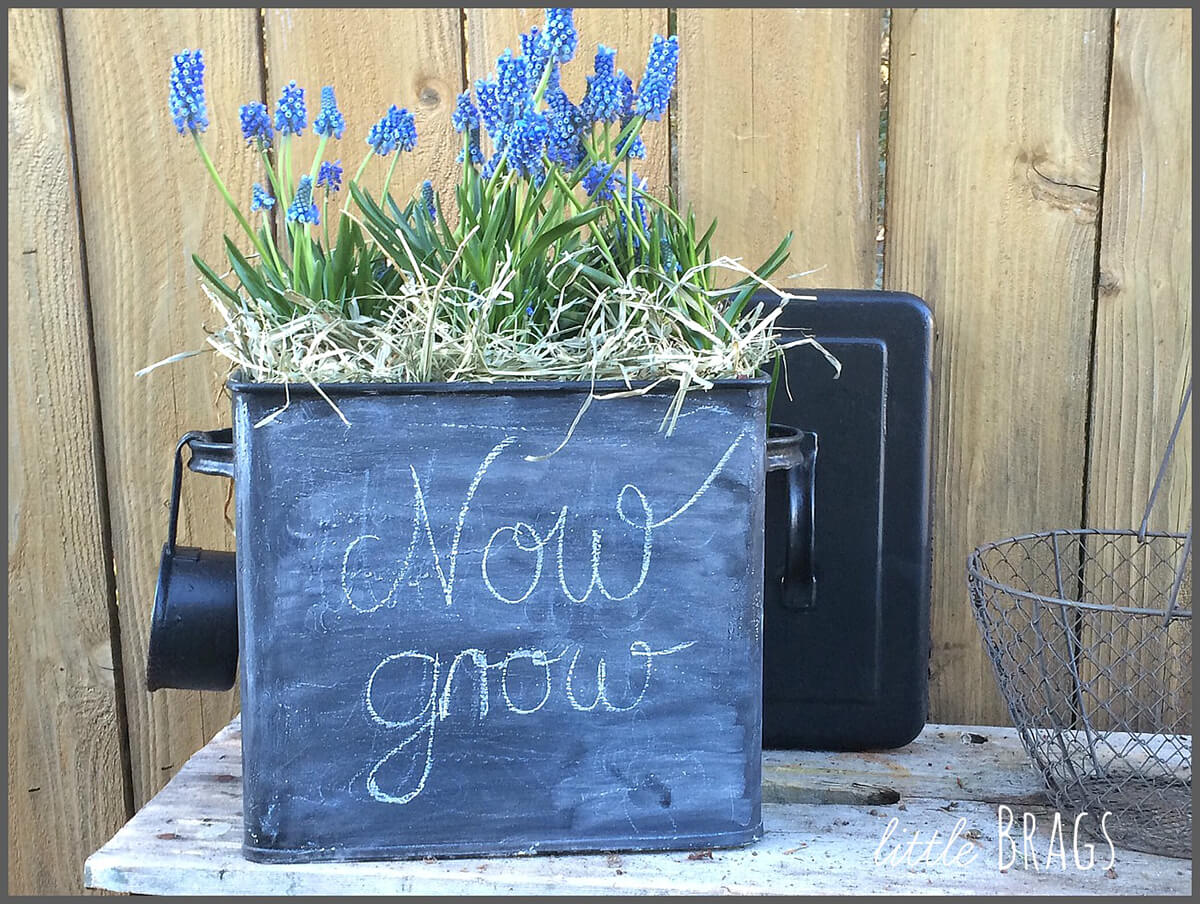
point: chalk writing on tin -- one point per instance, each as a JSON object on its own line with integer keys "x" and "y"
{"x": 434, "y": 697}
{"x": 525, "y": 538}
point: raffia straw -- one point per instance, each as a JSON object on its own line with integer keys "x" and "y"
{"x": 434, "y": 332}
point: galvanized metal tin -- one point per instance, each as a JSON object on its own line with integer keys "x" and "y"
{"x": 454, "y": 645}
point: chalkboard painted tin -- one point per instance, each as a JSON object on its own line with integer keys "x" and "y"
{"x": 452, "y": 645}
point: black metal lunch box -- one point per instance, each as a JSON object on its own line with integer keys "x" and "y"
{"x": 847, "y": 574}
{"x": 456, "y": 643}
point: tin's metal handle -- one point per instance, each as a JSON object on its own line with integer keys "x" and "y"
{"x": 795, "y": 451}
{"x": 212, "y": 451}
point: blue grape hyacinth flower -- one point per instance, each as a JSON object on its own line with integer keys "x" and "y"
{"x": 654, "y": 90}
{"x": 303, "y": 210}
{"x": 465, "y": 117}
{"x": 602, "y": 181}
{"x": 535, "y": 47}
{"x": 186, "y": 100}
{"x": 329, "y": 122}
{"x": 602, "y": 100}
{"x": 465, "y": 120}
{"x": 670, "y": 264}
{"x": 474, "y": 151}
{"x": 329, "y": 176}
{"x": 406, "y": 130}
{"x": 260, "y": 198}
{"x": 513, "y": 91}
{"x": 488, "y": 93}
{"x": 428, "y": 202}
{"x": 291, "y": 116}
{"x": 256, "y": 124}
{"x": 564, "y": 144}
{"x": 526, "y": 141}
{"x": 561, "y": 34}
{"x": 395, "y": 130}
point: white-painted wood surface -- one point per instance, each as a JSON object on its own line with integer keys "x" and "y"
{"x": 826, "y": 816}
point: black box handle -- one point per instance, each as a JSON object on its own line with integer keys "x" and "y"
{"x": 795, "y": 451}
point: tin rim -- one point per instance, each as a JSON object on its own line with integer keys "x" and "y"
{"x": 664, "y": 387}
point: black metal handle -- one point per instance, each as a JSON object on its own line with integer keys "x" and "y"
{"x": 795, "y": 451}
{"x": 212, "y": 453}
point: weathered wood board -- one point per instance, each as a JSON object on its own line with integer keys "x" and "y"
{"x": 67, "y": 781}
{"x": 1142, "y": 355}
{"x": 994, "y": 158}
{"x": 148, "y": 205}
{"x": 188, "y": 840}
{"x": 777, "y": 129}
{"x": 492, "y": 651}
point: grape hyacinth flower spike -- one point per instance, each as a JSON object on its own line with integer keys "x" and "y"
{"x": 329, "y": 176}
{"x": 514, "y": 93}
{"x": 188, "y": 108}
{"x": 256, "y": 124}
{"x": 189, "y": 112}
{"x": 261, "y": 199}
{"x": 602, "y": 182}
{"x": 465, "y": 120}
{"x": 291, "y": 116}
{"x": 654, "y": 90}
{"x": 535, "y": 48}
{"x": 526, "y": 142}
{"x": 395, "y": 131}
{"x": 329, "y": 122}
{"x": 634, "y": 146}
{"x": 602, "y": 98}
{"x": 303, "y": 210}
{"x": 561, "y": 34}
{"x": 565, "y": 141}
{"x": 488, "y": 93}
{"x": 428, "y": 201}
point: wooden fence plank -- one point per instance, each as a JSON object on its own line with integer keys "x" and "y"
{"x": 147, "y": 206}
{"x": 777, "y": 130}
{"x": 995, "y": 150}
{"x": 1143, "y": 345}
{"x": 66, "y": 776}
{"x": 630, "y": 31}
{"x": 408, "y": 57}
{"x": 1143, "y": 317}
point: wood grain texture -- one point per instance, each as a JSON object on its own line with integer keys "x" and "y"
{"x": 66, "y": 779}
{"x": 1144, "y": 311}
{"x": 490, "y": 31}
{"x": 1142, "y": 358}
{"x": 995, "y": 151}
{"x": 374, "y": 58}
{"x": 777, "y": 130}
{"x": 827, "y": 848}
{"x": 147, "y": 206}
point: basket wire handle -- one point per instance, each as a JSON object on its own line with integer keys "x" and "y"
{"x": 1181, "y": 570}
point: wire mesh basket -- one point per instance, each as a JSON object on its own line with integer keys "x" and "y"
{"x": 1089, "y": 632}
